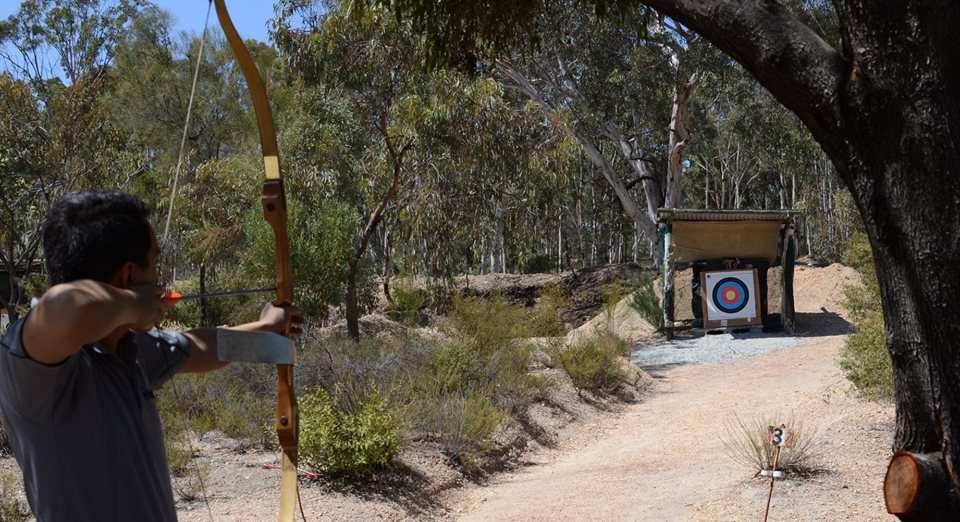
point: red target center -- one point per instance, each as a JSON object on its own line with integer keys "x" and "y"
{"x": 731, "y": 296}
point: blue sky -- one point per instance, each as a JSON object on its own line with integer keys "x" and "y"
{"x": 250, "y": 16}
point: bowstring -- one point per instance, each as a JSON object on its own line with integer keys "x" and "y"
{"x": 186, "y": 125}
{"x": 166, "y": 237}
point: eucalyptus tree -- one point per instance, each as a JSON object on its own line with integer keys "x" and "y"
{"x": 882, "y": 106}
{"x": 57, "y": 133}
{"x": 72, "y": 40}
{"x": 624, "y": 95}
{"x": 366, "y": 64}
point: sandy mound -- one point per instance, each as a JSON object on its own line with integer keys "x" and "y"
{"x": 625, "y": 322}
{"x": 816, "y": 288}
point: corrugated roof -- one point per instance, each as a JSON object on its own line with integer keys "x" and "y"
{"x": 665, "y": 215}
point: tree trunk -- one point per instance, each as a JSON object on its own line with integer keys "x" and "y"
{"x": 351, "y": 307}
{"x": 396, "y": 156}
{"x": 387, "y": 267}
{"x": 886, "y": 115}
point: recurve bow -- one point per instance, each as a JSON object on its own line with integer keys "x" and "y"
{"x": 275, "y": 212}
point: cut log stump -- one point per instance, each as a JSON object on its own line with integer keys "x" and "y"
{"x": 917, "y": 487}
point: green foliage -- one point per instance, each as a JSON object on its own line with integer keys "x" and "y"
{"x": 865, "y": 358}
{"x": 464, "y": 425}
{"x": 611, "y": 298}
{"x": 536, "y": 264}
{"x": 746, "y": 443}
{"x": 646, "y": 302}
{"x": 320, "y": 240}
{"x": 407, "y": 301}
{"x": 12, "y": 507}
{"x": 353, "y": 442}
{"x": 545, "y": 319}
{"x": 464, "y": 388}
{"x": 489, "y": 323}
{"x": 866, "y": 361}
{"x": 593, "y": 363}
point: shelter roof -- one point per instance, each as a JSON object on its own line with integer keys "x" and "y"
{"x": 665, "y": 215}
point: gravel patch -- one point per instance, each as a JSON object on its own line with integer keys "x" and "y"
{"x": 710, "y": 349}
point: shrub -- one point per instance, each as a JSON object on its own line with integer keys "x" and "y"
{"x": 407, "y": 302}
{"x": 237, "y": 400}
{"x": 489, "y": 323}
{"x": 611, "y": 298}
{"x": 594, "y": 363}
{"x": 545, "y": 318}
{"x": 865, "y": 358}
{"x": 646, "y": 302}
{"x": 746, "y": 443}
{"x": 352, "y": 442}
{"x": 464, "y": 425}
{"x": 535, "y": 264}
{"x": 866, "y": 361}
{"x": 12, "y": 507}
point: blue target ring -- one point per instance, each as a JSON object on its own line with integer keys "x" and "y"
{"x": 730, "y": 295}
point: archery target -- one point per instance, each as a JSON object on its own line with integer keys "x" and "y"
{"x": 730, "y": 298}
{"x": 730, "y": 295}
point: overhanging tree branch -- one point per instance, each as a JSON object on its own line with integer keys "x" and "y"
{"x": 795, "y": 64}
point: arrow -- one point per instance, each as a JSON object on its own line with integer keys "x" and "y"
{"x": 172, "y": 298}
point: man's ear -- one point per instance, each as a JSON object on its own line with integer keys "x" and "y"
{"x": 123, "y": 277}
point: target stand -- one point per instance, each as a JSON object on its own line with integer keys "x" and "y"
{"x": 730, "y": 298}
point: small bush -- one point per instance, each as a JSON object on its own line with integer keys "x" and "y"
{"x": 237, "y": 400}
{"x": 611, "y": 298}
{"x": 746, "y": 443}
{"x": 866, "y": 361}
{"x": 646, "y": 302}
{"x": 407, "y": 302}
{"x": 191, "y": 486}
{"x": 594, "y": 363}
{"x": 12, "y": 507}
{"x": 535, "y": 264}
{"x": 355, "y": 443}
{"x": 865, "y": 358}
{"x": 464, "y": 425}
{"x": 489, "y": 323}
{"x": 545, "y": 319}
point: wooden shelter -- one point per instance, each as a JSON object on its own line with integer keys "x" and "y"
{"x": 731, "y": 239}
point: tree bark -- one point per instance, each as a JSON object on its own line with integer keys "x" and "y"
{"x": 351, "y": 305}
{"x": 884, "y": 110}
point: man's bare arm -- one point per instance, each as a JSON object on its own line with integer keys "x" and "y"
{"x": 203, "y": 341}
{"x": 81, "y": 312}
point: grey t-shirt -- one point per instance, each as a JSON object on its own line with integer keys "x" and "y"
{"x": 86, "y": 431}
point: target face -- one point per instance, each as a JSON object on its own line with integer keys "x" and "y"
{"x": 730, "y": 295}
{"x": 730, "y": 298}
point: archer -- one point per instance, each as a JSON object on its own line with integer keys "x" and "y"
{"x": 78, "y": 372}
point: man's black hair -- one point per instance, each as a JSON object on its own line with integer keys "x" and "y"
{"x": 91, "y": 234}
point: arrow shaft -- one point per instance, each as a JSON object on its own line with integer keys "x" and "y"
{"x": 227, "y": 293}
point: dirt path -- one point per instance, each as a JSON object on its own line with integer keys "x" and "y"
{"x": 664, "y": 458}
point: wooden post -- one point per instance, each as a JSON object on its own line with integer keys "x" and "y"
{"x": 918, "y": 487}
{"x": 773, "y": 478}
{"x": 668, "y": 280}
{"x": 787, "y": 315}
